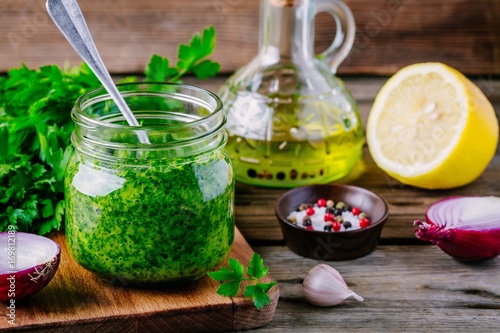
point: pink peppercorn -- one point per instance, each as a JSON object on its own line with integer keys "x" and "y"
{"x": 310, "y": 211}
{"x": 364, "y": 222}
{"x": 321, "y": 202}
{"x": 336, "y": 226}
{"x": 329, "y": 217}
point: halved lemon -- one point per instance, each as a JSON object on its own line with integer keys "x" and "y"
{"x": 431, "y": 127}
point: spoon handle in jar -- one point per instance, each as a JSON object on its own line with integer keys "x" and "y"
{"x": 68, "y": 17}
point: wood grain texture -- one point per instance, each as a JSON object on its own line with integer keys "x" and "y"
{"x": 407, "y": 286}
{"x": 76, "y": 301}
{"x": 405, "y": 289}
{"x": 390, "y": 33}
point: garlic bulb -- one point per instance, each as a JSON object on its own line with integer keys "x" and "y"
{"x": 324, "y": 286}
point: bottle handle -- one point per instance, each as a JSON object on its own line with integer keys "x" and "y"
{"x": 346, "y": 31}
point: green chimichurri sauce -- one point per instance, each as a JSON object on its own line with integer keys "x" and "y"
{"x": 150, "y": 225}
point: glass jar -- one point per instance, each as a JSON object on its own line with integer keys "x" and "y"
{"x": 154, "y": 213}
{"x": 291, "y": 120}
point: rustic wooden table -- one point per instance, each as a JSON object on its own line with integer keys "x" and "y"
{"x": 407, "y": 285}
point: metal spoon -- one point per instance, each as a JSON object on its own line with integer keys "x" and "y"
{"x": 68, "y": 17}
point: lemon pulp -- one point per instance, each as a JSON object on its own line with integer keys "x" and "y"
{"x": 431, "y": 127}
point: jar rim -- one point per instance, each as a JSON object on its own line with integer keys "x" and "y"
{"x": 178, "y": 119}
{"x": 100, "y": 94}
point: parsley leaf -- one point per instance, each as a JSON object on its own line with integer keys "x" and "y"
{"x": 233, "y": 276}
{"x": 259, "y": 296}
{"x": 229, "y": 288}
{"x": 235, "y": 272}
{"x": 256, "y": 267}
{"x": 159, "y": 69}
{"x": 199, "y": 48}
{"x": 191, "y": 59}
{"x": 206, "y": 69}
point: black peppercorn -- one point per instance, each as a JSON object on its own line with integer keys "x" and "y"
{"x": 328, "y": 226}
{"x": 306, "y": 221}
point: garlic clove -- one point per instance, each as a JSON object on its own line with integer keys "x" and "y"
{"x": 324, "y": 286}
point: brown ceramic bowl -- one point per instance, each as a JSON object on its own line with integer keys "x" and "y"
{"x": 332, "y": 245}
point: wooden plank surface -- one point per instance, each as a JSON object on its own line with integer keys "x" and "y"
{"x": 407, "y": 286}
{"x": 76, "y": 301}
{"x": 390, "y": 33}
{"x": 405, "y": 289}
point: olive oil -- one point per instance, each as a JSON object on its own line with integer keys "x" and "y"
{"x": 287, "y": 141}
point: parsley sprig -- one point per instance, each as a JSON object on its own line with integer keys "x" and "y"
{"x": 35, "y": 129}
{"x": 234, "y": 276}
{"x": 192, "y": 58}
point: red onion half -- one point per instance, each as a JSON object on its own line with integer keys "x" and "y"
{"x": 27, "y": 264}
{"x": 467, "y": 228}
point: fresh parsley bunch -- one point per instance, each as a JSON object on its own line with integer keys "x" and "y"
{"x": 234, "y": 276}
{"x": 35, "y": 129}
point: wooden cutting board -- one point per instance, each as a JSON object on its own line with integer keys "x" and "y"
{"x": 76, "y": 301}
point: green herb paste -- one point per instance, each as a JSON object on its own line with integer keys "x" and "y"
{"x": 144, "y": 225}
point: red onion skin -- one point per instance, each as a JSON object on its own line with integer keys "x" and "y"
{"x": 28, "y": 282}
{"x": 463, "y": 245}
{"x": 473, "y": 245}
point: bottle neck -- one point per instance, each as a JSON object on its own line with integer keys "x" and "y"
{"x": 285, "y": 29}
